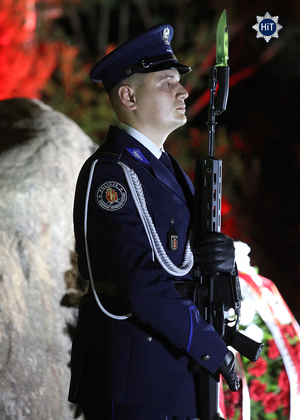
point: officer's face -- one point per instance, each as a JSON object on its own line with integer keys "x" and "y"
{"x": 160, "y": 101}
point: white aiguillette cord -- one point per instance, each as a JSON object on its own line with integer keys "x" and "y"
{"x": 119, "y": 317}
{"x": 154, "y": 240}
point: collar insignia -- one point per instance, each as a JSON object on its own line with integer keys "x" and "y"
{"x": 138, "y": 155}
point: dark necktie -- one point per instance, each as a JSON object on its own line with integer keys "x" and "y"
{"x": 166, "y": 161}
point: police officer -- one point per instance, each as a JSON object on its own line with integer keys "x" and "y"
{"x": 137, "y": 329}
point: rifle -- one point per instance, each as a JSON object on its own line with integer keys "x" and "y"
{"x": 217, "y": 296}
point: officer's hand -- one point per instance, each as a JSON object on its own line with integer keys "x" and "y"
{"x": 227, "y": 370}
{"x": 215, "y": 253}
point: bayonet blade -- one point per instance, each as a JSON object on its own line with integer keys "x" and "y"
{"x": 222, "y": 41}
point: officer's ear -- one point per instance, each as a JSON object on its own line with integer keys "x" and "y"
{"x": 127, "y": 96}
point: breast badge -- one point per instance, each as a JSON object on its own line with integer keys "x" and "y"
{"x": 111, "y": 196}
{"x": 172, "y": 240}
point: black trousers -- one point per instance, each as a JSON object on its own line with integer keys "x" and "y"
{"x": 94, "y": 410}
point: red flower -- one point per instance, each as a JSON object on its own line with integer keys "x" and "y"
{"x": 257, "y": 390}
{"x": 284, "y": 384}
{"x": 232, "y": 403}
{"x": 271, "y": 402}
{"x": 297, "y": 350}
{"x": 230, "y": 411}
{"x": 258, "y": 368}
{"x": 229, "y": 404}
{"x": 283, "y": 381}
{"x": 289, "y": 331}
{"x": 285, "y": 401}
{"x": 273, "y": 352}
{"x": 235, "y": 397}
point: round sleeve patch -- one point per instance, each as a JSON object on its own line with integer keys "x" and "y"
{"x": 111, "y": 196}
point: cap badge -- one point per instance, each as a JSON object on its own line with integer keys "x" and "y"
{"x": 166, "y": 35}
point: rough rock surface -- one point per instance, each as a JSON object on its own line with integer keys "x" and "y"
{"x": 41, "y": 152}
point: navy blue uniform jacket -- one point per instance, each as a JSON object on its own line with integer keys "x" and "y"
{"x": 142, "y": 360}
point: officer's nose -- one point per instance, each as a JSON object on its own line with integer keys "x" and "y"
{"x": 183, "y": 93}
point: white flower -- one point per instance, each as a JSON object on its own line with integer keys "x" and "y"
{"x": 248, "y": 310}
{"x": 254, "y": 332}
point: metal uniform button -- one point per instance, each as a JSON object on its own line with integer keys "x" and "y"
{"x": 149, "y": 338}
{"x": 205, "y": 358}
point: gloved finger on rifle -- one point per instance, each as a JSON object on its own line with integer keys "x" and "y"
{"x": 215, "y": 253}
{"x": 227, "y": 370}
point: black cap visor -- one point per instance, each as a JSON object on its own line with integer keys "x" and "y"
{"x": 157, "y": 63}
{"x": 182, "y": 69}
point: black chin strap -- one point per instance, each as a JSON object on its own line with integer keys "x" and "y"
{"x": 148, "y": 62}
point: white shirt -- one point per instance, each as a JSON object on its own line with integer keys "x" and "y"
{"x": 140, "y": 137}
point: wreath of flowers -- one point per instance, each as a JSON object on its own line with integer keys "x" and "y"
{"x": 270, "y": 388}
{"x": 267, "y": 380}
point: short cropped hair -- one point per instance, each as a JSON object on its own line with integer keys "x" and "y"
{"x": 136, "y": 81}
